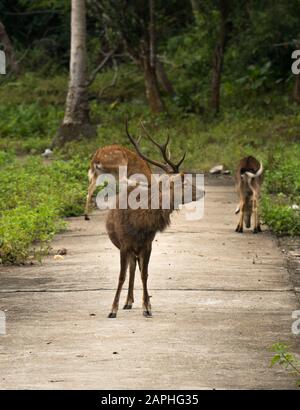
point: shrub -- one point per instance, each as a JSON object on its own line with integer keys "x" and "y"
{"x": 34, "y": 197}
{"x": 282, "y": 191}
{"x": 286, "y": 359}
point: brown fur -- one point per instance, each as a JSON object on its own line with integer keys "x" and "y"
{"x": 107, "y": 160}
{"x": 133, "y": 231}
{"x": 249, "y": 179}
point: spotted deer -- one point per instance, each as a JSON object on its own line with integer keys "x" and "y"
{"x": 132, "y": 231}
{"x": 108, "y": 159}
{"x": 249, "y": 177}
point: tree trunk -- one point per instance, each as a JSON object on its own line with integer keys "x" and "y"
{"x": 148, "y": 53}
{"x": 296, "y": 91}
{"x": 195, "y": 7}
{"x": 144, "y": 56}
{"x": 151, "y": 85}
{"x": 163, "y": 79}
{"x": 142, "y": 59}
{"x": 9, "y": 53}
{"x": 216, "y": 78}
{"x": 218, "y": 56}
{"x": 76, "y": 122}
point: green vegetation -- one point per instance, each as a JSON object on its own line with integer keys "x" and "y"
{"x": 34, "y": 196}
{"x": 286, "y": 359}
{"x": 258, "y": 115}
{"x": 282, "y": 191}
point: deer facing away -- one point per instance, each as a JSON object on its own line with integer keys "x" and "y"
{"x": 133, "y": 230}
{"x": 249, "y": 178}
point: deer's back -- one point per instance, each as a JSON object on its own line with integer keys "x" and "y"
{"x": 133, "y": 229}
{"x": 111, "y": 157}
{"x": 248, "y": 164}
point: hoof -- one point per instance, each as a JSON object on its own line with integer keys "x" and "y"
{"x": 259, "y": 229}
{"x": 147, "y": 313}
{"x": 86, "y": 218}
{"x": 112, "y": 315}
{"x": 255, "y": 230}
{"x": 239, "y": 229}
{"x": 127, "y": 307}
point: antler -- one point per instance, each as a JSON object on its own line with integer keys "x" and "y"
{"x": 136, "y": 146}
{"x": 165, "y": 151}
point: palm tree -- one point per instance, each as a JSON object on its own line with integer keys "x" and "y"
{"x": 76, "y": 122}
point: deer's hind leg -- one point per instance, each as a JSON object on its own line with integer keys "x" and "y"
{"x": 257, "y": 227}
{"x": 130, "y": 298}
{"x": 144, "y": 262}
{"x": 124, "y": 260}
{"x": 240, "y": 225}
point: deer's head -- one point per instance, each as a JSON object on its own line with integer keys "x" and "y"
{"x": 172, "y": 169}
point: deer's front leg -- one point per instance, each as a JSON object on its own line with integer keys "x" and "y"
{"x": 91, "y": 190}
{"x": 123, "y": 269}
{"x": 144, "y": 262}
{"x": 130, "y": 298}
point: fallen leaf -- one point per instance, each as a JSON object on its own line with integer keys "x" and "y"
{"x": 56, "y": 257}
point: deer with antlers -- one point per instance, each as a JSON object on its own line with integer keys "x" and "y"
{"x": 249, "y": 177}
{"x": 133, "y": 230}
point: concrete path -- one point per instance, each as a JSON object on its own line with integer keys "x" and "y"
{"x": 219, "y": 300}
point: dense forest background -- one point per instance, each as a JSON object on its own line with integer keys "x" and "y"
{"x": 216, "y": 75}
